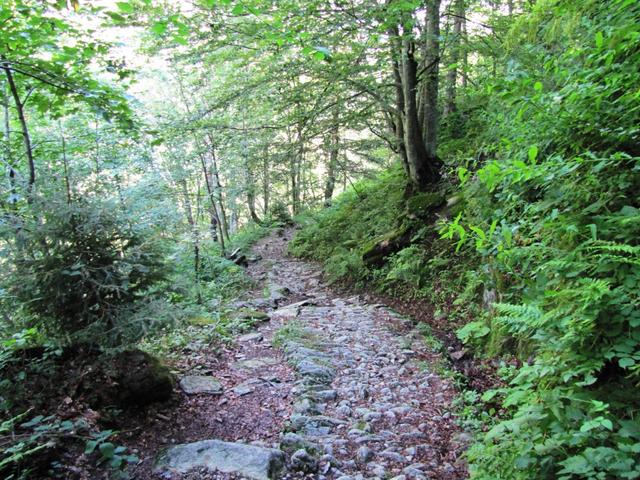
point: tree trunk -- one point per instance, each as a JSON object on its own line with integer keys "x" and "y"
{"x": 7, "y": 139}
{"x": 210, "y": 191}
{"x": 65, "y": 164}
{"x": 251, "y": 193}
{"x": 249, "y": 183}
{"x": 217, "y": 188}
{"x": 265, "y": 181}
{"x": 398, "y": 125}
{"x": 465, "y": 55}
{"x": 214, "y": 188}
{"x": 432, "y": 60}
{"x": 213, "y": 224}
{"x": 23, "y": 125}
{"x": 196, "y": 244}
{"x": 417, "y": 157}
{"x": 294, "y": 172}
{"x": 452, "y": 72}
{"x": 334, "y": 151}
{"x": 195, "y": 233}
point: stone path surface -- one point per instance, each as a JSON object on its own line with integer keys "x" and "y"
{"x": 366, "y": 403}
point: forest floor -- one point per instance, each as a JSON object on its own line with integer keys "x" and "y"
{"x": 346, "y": 388}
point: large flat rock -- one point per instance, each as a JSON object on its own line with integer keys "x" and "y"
{"x": 256, "y": 363}
{"x": 249, "y": 461}
{"x": 194, "y": 384}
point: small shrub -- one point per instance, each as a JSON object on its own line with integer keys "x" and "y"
{"x": 79, "y": 264}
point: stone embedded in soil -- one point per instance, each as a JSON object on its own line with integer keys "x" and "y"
{"x": 194, "y": 384}
{"x": 277, "y": 293}
{"x": 256, "y": 363}
{"x": 249, "y": 461}
{"x": 291, "y": 442}
{"x": 326, "y": 395}
{"x": 250, "y": 314}
{"x": 251, "y": 337}
{"x": 292, "y": 310}
{"x": 308, "y": 368}
{"x": 301, "y": 461}
{"x": 246, "y": 387}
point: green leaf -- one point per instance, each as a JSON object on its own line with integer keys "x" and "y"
{"x": 125, "y": 7}
{"x": 90, "y": 447}
{"x": 533, "y": 153}
{"x": 599, "y": 39}
{"x": 576, "y": 465}
{"x": 537, "y": 86}
{"x": 626, "y": 362}
{"x": 159, "y": 28}
{"x": 107, "y": 449}
{"x": 116, "y": 17}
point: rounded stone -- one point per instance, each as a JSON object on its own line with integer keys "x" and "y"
{"x": 302, "y": 461}
{"x": 364, "y": 454}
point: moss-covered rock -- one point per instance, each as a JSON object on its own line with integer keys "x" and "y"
{"x": 375, "y": 251}
{"x": 423, "y": 205}
{"x": 142, "y": 378}
{"x": 249, "y": 314}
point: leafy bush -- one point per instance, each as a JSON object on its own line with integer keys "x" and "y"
{"x": 556, "y": 218}
{"x": 79, "y": 264}
{"x": 22, "y": 441}
{"x": 279, "y": 213}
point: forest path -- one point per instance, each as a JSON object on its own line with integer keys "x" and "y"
{"x": 361, "y": 401}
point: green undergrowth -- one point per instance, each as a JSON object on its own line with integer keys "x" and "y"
{"x": 537, "y": 254}
{"x": 337, "y": 234}
{"x": 203, "y": 317}
{"x": 375, "y": 211}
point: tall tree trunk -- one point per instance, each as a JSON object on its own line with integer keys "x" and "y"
{"x": 213, "y": 224}
{"x": 251, "y": 193}
{"x": 214, "y": 188}
{"x": 210, "y": 191}
{"x": 65, "y": 164}
{"x": 23, "y": 125}
{"x": 397, "y": 124}
{"x": 196, "y": 243}
{"x": 233, "y": 224}
{"x": 294, "y": 167}
{"x": 249, "y": 182}
{"x": 217, "y": 188}
{"x": 265, "y": 180}
{"x": 8, "y": 154}
{"x": 464, "y": 52}
{"x": 192, "y": 221}
{"x": 417, "y": 157}
{"x": 452, "y": 72}
{"x": 432, "y": 60}
{"x": 334, "y": 151}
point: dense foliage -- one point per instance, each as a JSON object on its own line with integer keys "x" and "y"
{"x": 81, "y": 265}
{"x": 545, "y": 219}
